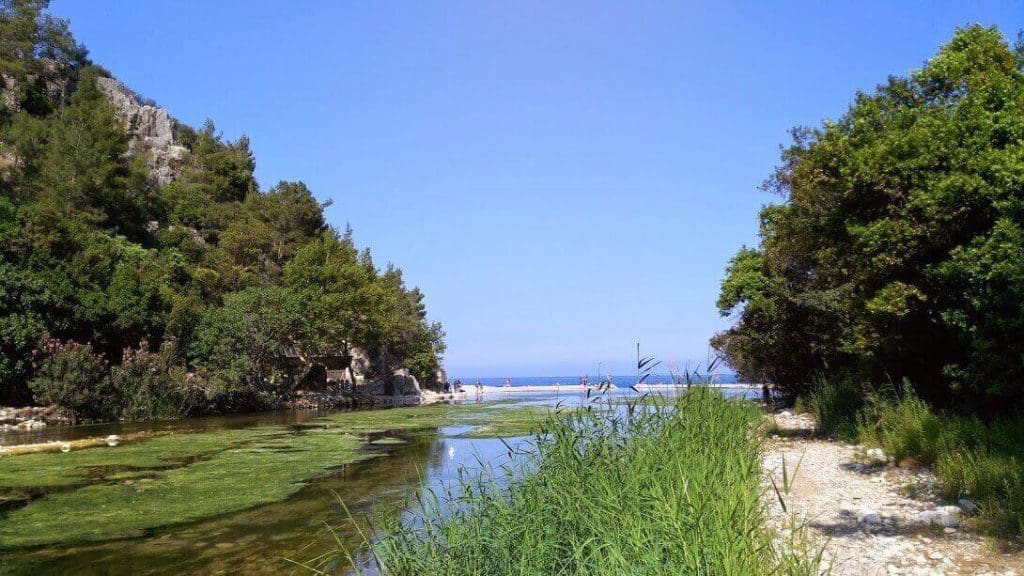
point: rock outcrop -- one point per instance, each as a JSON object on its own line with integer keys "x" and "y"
{"x": 150, "y": 129}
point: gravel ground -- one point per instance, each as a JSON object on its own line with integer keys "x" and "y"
{"x": 870, "y": 516}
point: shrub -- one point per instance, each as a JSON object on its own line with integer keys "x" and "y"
{"x": 905, "y": 426}
{"x": 150, "y": 385}
{"x": 74, "y": 378}
{"x": 835, "y": 405}
{"x": 250, "y": 348}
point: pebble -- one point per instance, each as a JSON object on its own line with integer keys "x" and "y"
{"x": 876, "y": 454}
{"x": 871, "y": 518}
{"x": 967, "y": 505}
{"x": 946, "y": 516}
{"x": 870, "y": 526}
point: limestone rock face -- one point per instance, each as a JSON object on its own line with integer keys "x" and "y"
{"x": 401, "y": 383}
{"x": 9, "y": 93}
{"x": 150, "y": 129}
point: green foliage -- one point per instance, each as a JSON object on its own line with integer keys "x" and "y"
{"x": 73, "y": 377}
{"x": 253, "y": 347}
{"x": 897, "y": 251}
{"x": 672, "y": 488}
{"x": 835, "y": 406}
{"x": 244, "y": 289}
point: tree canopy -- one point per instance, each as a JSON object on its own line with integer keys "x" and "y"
{"x": 226, "y": 290}
{"x": 898, "y": 249}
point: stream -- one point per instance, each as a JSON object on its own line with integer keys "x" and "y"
{"x": 305, "y": 527}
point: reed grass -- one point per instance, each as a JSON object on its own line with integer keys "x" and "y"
{"x": 671, "y": 487}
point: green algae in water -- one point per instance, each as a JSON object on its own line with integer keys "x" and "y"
{"x": 231, "y": 480}
{"x": 102, "y": 493}
{"x": 54, "y": 469}
{"x": 512, "y": 422}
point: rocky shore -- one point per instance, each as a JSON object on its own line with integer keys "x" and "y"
{"x": 870, "y": 516}
{"x": 30, "y": 418}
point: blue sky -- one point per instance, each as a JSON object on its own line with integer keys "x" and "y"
{"x": 562, "y": 179}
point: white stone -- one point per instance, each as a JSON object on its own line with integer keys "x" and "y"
{"x": 150, "y": 129}
{"x": 876, "y": 454}
{"x": 945, "y": 516}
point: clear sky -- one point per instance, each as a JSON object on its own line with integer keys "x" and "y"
{"x": 562, "y": 179}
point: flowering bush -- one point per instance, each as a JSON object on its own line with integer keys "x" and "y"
{"x": 74, "y": 378}
{"x": 150, "y": 385}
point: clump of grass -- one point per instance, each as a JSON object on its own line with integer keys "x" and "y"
{"x": 670, "y": 488}
{"x": 982, "y": 462}
{"x": 835, "y": 406}
{"x": 905, "y": 426}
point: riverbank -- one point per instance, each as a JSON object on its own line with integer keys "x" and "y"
{"x": 668, "y": 486}
{"x": 870, "y": 516}
{"x": 27, "y": 418}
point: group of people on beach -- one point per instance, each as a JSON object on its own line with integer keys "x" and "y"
{"x": 458, "y": 387}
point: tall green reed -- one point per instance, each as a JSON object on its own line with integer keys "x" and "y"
{"x": 672, "y": 486}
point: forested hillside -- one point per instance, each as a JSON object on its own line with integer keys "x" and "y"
{"x": 898, "y": 249}
{"x": 134, "y": 286}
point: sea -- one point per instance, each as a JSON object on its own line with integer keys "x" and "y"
{"x": 618, "y": 381}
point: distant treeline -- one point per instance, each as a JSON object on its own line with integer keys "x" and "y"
{"x": 122, "y": 298}
{"x": 897, "y": 251}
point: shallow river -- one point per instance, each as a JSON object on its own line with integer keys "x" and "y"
{"x": 302, "y": 528}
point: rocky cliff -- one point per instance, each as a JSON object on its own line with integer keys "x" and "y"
{"x": 150, "y": 128}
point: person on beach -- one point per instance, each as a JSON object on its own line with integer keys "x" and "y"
{"x": 479, "y": 387}
{"x": 766, "y": 395}
{"x": 458, "y": 386}
{"x": 508, "y": 383}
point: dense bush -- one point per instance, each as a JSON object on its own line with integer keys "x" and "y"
{"x": 151, "y": 385}
{"x": 73, "y": 377}
{"x": 896, "y": 252}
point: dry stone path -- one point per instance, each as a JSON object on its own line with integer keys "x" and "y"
{"x": 873, "y": 518}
